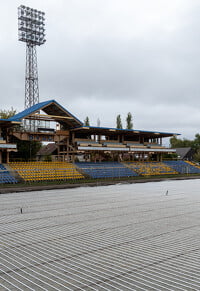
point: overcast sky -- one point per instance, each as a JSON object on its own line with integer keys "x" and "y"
{"x": 109, "y": 57}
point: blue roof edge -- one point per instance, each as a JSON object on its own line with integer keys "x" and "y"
{"x": 25, "y": 112}
{"x": 132, "y": 130}
{"x": 36, "y": 107}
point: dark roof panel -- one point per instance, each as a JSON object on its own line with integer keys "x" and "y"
{"x": 93, "y": 129}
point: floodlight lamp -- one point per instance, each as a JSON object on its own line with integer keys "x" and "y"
{"x": 31, "y": 22}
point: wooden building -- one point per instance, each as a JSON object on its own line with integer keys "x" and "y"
{"x": 50, "y": 122}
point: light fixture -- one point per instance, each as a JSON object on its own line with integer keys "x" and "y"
{"x": 31, "y": 25}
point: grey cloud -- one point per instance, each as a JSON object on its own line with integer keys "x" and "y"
{"x": 104, "y": 58}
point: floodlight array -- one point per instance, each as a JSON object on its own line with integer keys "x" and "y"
{"x": 31, "y": 25}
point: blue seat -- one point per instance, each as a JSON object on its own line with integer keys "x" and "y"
{"x": 183, "y": 167}
{"x": 105, "y": 170}
{"x": 5, "y": 176}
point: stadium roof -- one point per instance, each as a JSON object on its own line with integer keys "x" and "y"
{"x": 52, "y": 109}
{"x": 184, "y": 153}
{"x": 114, "y": 131}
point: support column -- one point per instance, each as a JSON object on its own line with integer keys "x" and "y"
{"x": 100, "y": 157}
{"x": 68, "y": 149}
{"x": 143, "y": 156}
{"x": 73, "y": 137}
{"x": 7, "y": 157}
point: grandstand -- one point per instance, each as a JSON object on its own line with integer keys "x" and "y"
{"x": 70, "y": 141}
{"x": 106, "y": 170}
{"x": 64, "y": 171}
{"x": 57, "y": 125}
{"x": 46, "y": 171}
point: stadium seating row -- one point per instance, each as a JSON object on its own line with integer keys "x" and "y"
{"x": 106, "y": 170}
{"x": 183, "y": 167}
{"x": 150, "y": 168}
{"x": 39, "y": 171}
{"x": 47, "y": 171}
{"x": 116, "y": 144}
{"x": 5, "y": 176}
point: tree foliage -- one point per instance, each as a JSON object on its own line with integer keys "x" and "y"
{"x": 129, "y": 122}
{"x": 180, "y": 143}
{"x": 119, "y": 122}
{"x": 194, "y": 144}
{"x": 87, "y": 121}
{"x": 197, "y": 156}
{"x": 5, "y": 114}
{"x": 26, "y": 150}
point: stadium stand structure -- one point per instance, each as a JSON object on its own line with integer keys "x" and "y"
{"x": 6, "y": 177}
{"x": 46, "y": 171}
{"x": 57, "y": 125}
{"x": 193, "y": 164}
{"x": 49, "y": 171}
{"x": 105, "y": 170}
{"x": 183, "y": 167}
{"x": 70, "y": 140}
{"x": 151, "y": 168}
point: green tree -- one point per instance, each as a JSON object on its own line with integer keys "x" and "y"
{"x": 181, "y": 143}
{"x": 119, "y": 122}
{"x": 26, "y": 150}
{"x": 196, "y": 142}
{"x": 5, "y": 114}
{"x": 87, "y": 121}
{"x": 129, "y": 122}
{"x": 197, "y": 156}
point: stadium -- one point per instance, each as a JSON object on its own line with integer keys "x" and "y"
{"x": 76, "y": 211}
{"x": 71, "y": 150}
{"x": 82, "y": 151}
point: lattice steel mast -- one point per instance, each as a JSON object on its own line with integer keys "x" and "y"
{"x": 31, "y": 78}
{"x": 31, "y": 30}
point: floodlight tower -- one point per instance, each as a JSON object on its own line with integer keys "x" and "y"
{"x": 31, "y": 30}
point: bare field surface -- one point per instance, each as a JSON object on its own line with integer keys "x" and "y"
{"x": 121, "y": 237}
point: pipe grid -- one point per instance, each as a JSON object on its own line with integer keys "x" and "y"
{"x": 122, "y": 237}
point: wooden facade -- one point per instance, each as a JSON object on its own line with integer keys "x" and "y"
{"x": 73, "y": 139}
